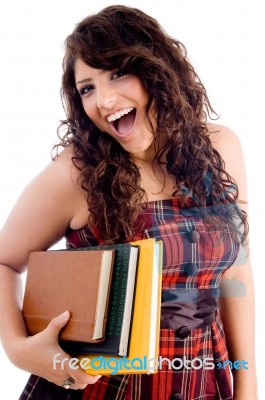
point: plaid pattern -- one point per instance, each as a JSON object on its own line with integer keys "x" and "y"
{"x": 163, "y": 220}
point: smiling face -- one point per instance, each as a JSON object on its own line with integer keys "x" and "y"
{"x": 116, "y": 102}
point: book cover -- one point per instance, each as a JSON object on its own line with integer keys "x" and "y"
{"x": 76, "y": 281}
{"x": 144, "y": 341}
{"x": 118, "y": 325}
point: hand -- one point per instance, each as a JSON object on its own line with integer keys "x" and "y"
{"x": 36, "y": 355}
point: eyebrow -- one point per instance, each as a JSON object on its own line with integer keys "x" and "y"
{"x": 84, "y": 80}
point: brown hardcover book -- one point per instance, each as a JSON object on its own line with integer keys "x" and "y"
{"x": 78, "y": 281}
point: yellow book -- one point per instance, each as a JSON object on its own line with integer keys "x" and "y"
{"x": 144, "y": 342}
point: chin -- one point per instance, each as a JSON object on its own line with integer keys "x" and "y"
{"x": 141, "y": 151}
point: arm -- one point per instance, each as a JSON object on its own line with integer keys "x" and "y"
{"x": 238, "y": 312}
{"x": 49, "y": 204}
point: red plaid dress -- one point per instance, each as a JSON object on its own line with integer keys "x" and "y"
{"x": 165, "y": 221}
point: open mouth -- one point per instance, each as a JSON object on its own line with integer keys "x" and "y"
{"x": 124, "y": 124}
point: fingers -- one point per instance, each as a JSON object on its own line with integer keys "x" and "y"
{"x": 68, "y": 383}
{"x": 56, "y": 324}
{"x": 71, "y": 383}
{"x": 65, "y": 371}
{"x": 62, "y": 362}
{"x": 81, "y": 378}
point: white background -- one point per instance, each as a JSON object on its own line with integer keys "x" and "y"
{"x": 225, "y": 41}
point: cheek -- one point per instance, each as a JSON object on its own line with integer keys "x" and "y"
{"x": 141, "y": 93}
{"x": 90, "y": 111}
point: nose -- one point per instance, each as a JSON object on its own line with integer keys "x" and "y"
{"x": 106, "y": 97}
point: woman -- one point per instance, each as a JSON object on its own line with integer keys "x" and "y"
{"x": 140, "y": 160}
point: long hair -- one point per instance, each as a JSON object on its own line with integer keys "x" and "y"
{"x": 125, "y": 38}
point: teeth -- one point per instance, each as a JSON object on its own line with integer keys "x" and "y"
{"x": 119, "y": 114}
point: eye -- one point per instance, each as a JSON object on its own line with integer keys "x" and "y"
{"x": 118, "y": 74}
{"x": 85, "y": 89}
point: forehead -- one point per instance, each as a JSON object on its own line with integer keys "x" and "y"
{"x": 85, "y": 72}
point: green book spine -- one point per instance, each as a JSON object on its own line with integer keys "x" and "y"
{"x": 116, "y": 306}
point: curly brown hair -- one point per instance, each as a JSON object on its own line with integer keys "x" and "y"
{"x": 120, "y": 37}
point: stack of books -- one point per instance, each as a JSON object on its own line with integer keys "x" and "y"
{"x": 113, "y": 294}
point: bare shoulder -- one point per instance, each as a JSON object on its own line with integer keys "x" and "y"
{"x": 60, "y": 178}
{"x": 223, "y": 138}
{"x": 68, "y": 175}
{"x": 62, "y": 166}
{"x": 227, "y": 143}
{"x": 43, "y": 212}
